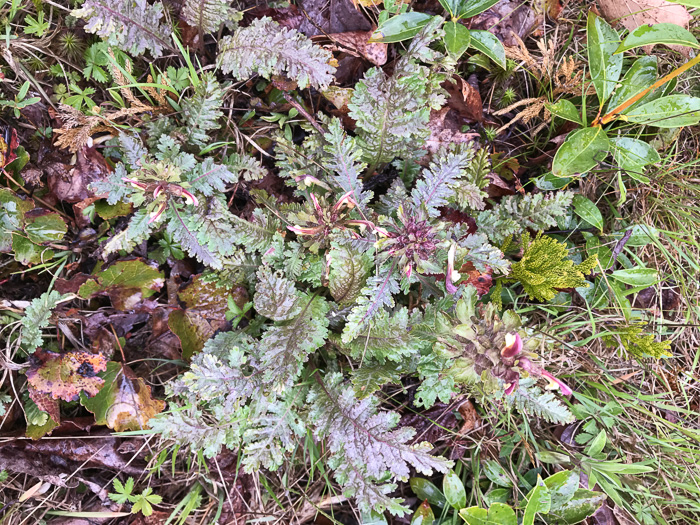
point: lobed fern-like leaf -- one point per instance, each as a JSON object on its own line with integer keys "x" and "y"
{"x": 274, "y": 426}
{"x": 36, "y": 317}
{"x": 132, "y": 25}
{"x": 202, "y": 110}
{"x": 392, "y": 112}
{"x": 208, "y": 15}
{"x": 517, "y": 213}
{"x": 364, "y": 444}
{"x": 529, "y": 398}
{"x": 266, "y": 48}
{"x": 377, "y": 294}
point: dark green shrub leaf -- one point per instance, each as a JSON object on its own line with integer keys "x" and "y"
{"x": 401, "y": 27}
{"x": 605, "y": 65}
{"x": 488, "y": 44}
{"x": 565, "y": 109}
{"x": 672, "y": 111}
{"x": 588, "y": 211}
{"x": 581, "y": 152}
{"x": 456, "y": 38}
{"x": 664, "y": 33}
{"x": 453, "y": 489}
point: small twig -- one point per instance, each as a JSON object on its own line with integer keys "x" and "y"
{"x": 304, "y": 113}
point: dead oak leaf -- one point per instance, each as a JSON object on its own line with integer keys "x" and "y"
{"x": 125, "y": 402}
{"x": 64, "y": 376}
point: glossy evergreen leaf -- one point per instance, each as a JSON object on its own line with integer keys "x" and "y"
{"x": 581, "y": 152}
{"x": 423, "y": 515}
{"x": 636, "y": 276}
{"x": 453, "y": 489}
{"x": 605, "y": 65}
{"x": 584, "y": 503}
{"x": 663, "y": 33}
{"x": 400, "y": 27}
{"x": 497, "y": 514}
{"x": 466, "y": 8}
{"x": 588, "y": 211}
{"x": 562, "y": 487}
{"x": 641, "y": 74}
{"x": 671, "y": 111}
{"x": 633, "y": 155}
{"x": 457, "y": 38}
{"x": 427, "y": 491}
{"x": 565, "y": 109}
{"x": 488, "y": 44}
{"x": 539, "y": 501}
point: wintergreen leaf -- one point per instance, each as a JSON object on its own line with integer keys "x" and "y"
{"x": 562, "y": 487}
{"x": 565, "y": 109}
{"x": 636, "y": 276}
{"x": 498, "y": 514}
{"x": 539, "y": 501}
{"x": 466, "y": 8}
{"x": 583, "y": 504}
{"x": 632, "y": 155}
{"x": 400, "y": 27}
{"x": 605, "y": 65}
{"x": 580, "y": 152}
{"x": 588, "y": 211}
{"x": 453, "y": 489}
{"x": 638, "y": 77}
{"x": 427, "y": 491}
{"x": 663, "y": 33}
{"x": 671, "y": 111}
{"x": 457, "y": 38}
{"x": 488, "y": 44}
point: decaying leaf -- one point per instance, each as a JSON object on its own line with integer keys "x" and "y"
{"x": 357, "y": 43}
{"x": 126, "y": 283}
{"x": 125, "y": 401}
{"x": 204, "y": 313}
{"x": 64, "y": 376}
{"x": 70, "y": 184}
{"x": 464, "y": 98}
{"x": 634, "y": 13}
{"x": 445, "y": 129}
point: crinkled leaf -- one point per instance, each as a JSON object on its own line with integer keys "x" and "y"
{"x": 348, "y": 273}
{"x": 275, "y": 296}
